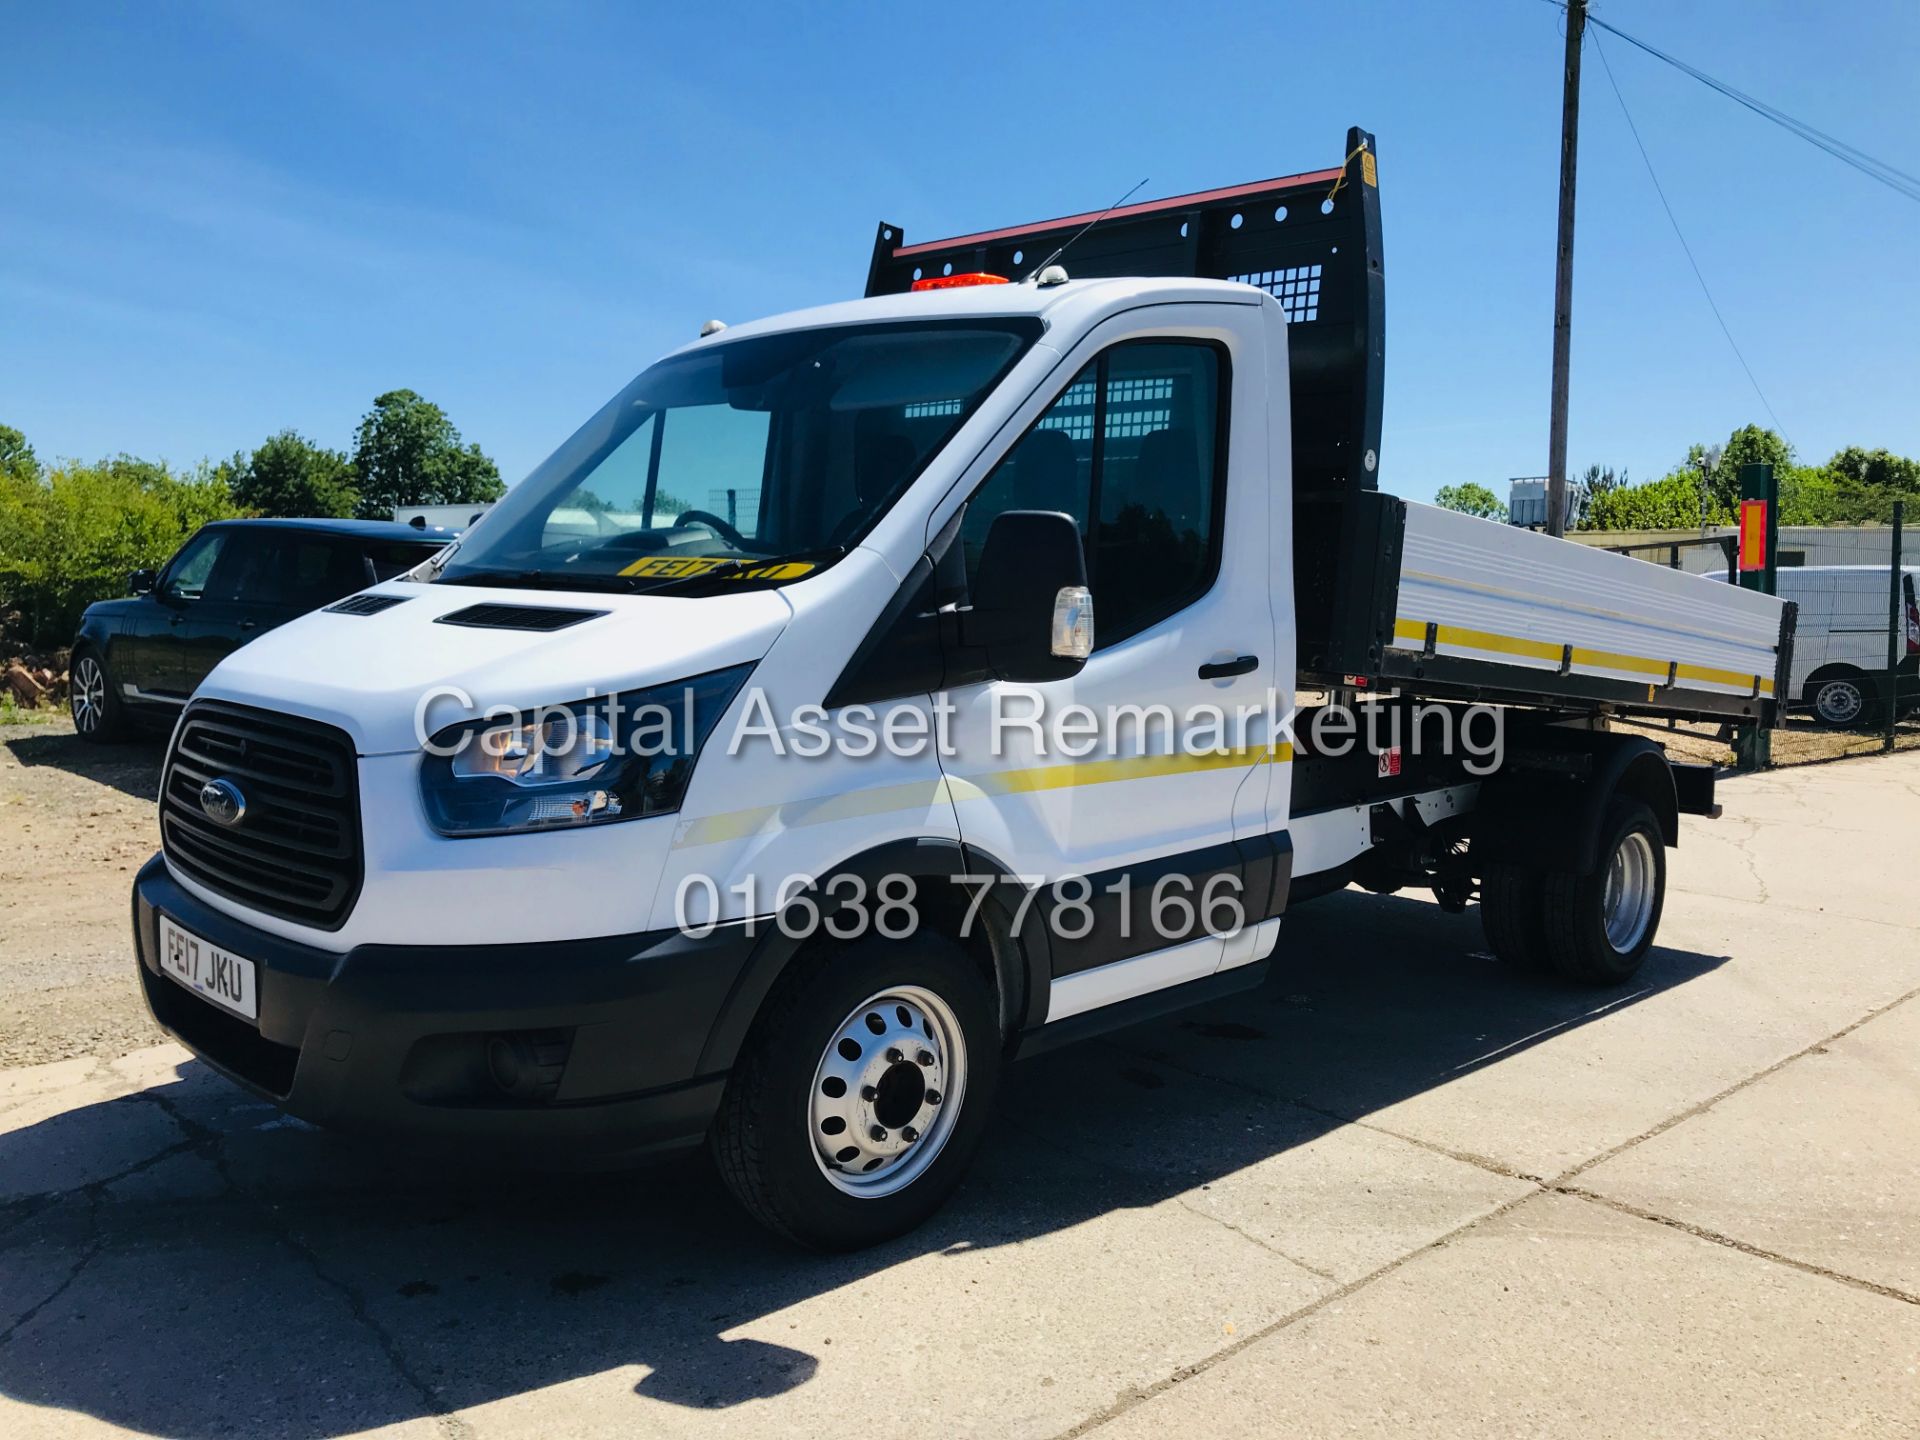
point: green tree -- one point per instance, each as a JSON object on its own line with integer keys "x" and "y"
{"x": 1471, "y": 499}
{"x": 290, "y": 475}
{"x": 1603, "y": 480}
{"x": 1670, "y": 503}
{"x": 72, "y": 534}
{"x": 1749, "y": 445}
{"x": 16, "y": 455}
{"x": 1877, "y": 469}
{"x": 1810, "y": 496}
{"x": 1867, "y": 482}
{"x": 407, "y": 452}
{"x": 1598, "y": 480}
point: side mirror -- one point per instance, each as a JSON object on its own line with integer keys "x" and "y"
{"x": 1032, "y": 613}
{"x": 141, "y": 582}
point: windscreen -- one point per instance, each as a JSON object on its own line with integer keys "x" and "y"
{"x": 756, "y": 460}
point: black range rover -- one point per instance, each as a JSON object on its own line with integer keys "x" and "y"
{"x": 137, "y": 660}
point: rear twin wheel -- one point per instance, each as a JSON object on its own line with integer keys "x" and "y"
{"x": 1594, "y": 928}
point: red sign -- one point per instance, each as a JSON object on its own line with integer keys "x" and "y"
{"x": 1753, "y": 535}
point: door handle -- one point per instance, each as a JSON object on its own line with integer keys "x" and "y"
{"x": 176, "y": 620}
{"x": 1221, "y": 669}
{"x": 248, "y": 624}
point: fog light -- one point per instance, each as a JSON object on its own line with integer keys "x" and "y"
{"x": 504, "y": 1062}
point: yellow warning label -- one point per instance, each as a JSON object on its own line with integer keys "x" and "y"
{"x": 674, "y": 567}
{"x": 1369, "y": 172}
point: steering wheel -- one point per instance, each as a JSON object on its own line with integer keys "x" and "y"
{"x": 714, "y": 523}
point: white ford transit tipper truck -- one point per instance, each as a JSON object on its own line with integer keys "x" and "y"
{"x": 871, "y": 695}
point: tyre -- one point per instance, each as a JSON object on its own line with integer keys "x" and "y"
{"x": 1842, "y": 702}
{"x": 1513, "y": 914}
{"x": 1600, "y": 926}
{"x": 861, "y": 1092}
{"x": 98, "y": 714}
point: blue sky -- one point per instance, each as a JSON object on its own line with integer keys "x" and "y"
{"x": 225, "y": 219}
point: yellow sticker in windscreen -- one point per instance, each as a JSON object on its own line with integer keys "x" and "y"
{"x": 674, "y": 567}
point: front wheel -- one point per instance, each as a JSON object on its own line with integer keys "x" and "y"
{"x": 862, "y": 1092}
{"x": 1599, "y": 927}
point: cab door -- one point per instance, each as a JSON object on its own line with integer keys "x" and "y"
{"x": 1142, "y": 819}
{"x": 147, "y": 656}
{"x": 223, "y": 617}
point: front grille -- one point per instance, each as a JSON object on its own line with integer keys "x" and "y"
{"x": 295, "y": 851}
{"x": 494, "y": 616}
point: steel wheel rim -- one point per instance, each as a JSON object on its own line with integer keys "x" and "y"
{"x": 89, "y": 695}
{"x": 885, "y": 1100}
{"x": 1627, "y": 905}
{"x": 1839, "y": 701}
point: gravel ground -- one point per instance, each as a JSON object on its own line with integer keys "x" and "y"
{"x": 78, "y": 820}
{"x": 1802, "y": 743}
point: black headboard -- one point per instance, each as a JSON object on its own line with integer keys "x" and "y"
{"x": 1310, "y": 240}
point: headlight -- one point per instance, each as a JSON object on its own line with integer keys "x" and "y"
{"x": 618, "y": 758}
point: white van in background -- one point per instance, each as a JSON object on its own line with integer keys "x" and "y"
{"x": 1840, "y": 640}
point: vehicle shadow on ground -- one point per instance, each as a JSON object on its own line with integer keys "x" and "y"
{"x": 343, "y": 1288}
{"x": 131, "y": 766}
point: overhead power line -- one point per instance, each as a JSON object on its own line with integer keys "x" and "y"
{"x": 1894, "y": 178}
{"x": 1673, "y": 220}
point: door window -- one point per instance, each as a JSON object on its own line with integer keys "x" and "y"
{"x": 187, "y": 577}
{"x": 1130, "y": 450}
{"x": 302, "y": 572}
{"x": 234, "y": 574}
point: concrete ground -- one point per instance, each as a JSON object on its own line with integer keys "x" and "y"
{"x": 1396, "y": 1190}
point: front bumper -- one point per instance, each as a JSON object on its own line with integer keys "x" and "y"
{"x": 585, "y": 1049}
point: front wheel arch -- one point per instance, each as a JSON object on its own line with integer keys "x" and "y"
{"x": 946, "y": 874}
{"x": 1551, "y": 816}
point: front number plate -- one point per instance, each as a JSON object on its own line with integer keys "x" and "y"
{"x": 210, "y": 972}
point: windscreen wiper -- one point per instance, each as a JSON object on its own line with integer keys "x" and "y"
{"x": 543, "y": 580}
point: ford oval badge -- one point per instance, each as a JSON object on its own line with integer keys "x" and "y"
{"x": 223, "y": 802}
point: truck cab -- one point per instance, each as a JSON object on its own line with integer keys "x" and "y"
{"x": 869, "y": 696}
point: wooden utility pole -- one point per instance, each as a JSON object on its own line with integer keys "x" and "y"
{"x": 1563, "y": 273}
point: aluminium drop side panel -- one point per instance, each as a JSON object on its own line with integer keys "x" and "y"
{"x": 1511, "y": 612}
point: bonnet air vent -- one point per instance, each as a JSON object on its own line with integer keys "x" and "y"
{"x": 518, "y": 617}
{"x": 366, "y": 604}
